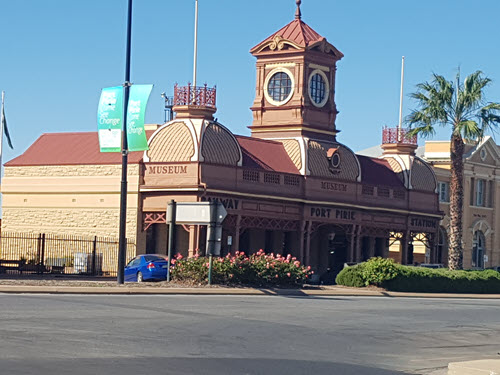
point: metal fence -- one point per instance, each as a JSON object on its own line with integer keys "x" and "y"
{"x": 56, "y": 253}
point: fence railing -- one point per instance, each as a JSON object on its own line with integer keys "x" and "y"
{"x": 57, "y": 253}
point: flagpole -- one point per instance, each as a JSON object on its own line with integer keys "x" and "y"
{"x": 401, "y": 94}
{"x": 195, "y": 48}
{"x": 122, "y": 240}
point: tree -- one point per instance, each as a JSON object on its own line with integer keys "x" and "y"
{"x": 462, "y": 108}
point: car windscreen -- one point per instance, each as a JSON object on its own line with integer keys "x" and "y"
{"x": 153, "y": 258}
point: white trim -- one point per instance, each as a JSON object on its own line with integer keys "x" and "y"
{"x": 280, "y": 69}
{"x": 327, "y": 88}
{"x": 320, "y": 67}
{"x": 276, "y": 65}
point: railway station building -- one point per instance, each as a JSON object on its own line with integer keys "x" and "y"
{"x": 290, "y": 187}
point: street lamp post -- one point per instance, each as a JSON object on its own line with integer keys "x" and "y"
{"x": 122, "y": 242}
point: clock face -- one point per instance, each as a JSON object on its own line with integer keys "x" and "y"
{"x": 318, "y": 88}
{"x": 279, "y": 86}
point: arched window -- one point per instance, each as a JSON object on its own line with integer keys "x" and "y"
{"x": 478, "y": 249}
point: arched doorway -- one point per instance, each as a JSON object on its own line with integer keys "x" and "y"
{"x": 442, "y": 246}
{"x": 478, "y": 250}
{"x": 329, "y": 251}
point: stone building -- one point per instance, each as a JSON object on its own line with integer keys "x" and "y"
{"x": 290, "y": 187}
{"x": 481, "y": 200}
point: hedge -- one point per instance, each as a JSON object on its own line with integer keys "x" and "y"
{"x": 395, "y": 277}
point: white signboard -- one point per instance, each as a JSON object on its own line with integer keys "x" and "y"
{"x": 197, "y": 213}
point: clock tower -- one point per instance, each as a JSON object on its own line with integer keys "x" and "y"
{"x": 295, "y": 91}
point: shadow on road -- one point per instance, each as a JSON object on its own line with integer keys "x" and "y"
{"x": 177, "y": 366}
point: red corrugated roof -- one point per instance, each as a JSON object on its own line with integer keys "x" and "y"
{"x": 267, "y": 155}
{"x": 298, "y": 32}
{"x": 378, "y": 172}
{"x": 70, "y": 149}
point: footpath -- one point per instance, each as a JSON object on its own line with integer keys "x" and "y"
{"x": 44, "y": 285}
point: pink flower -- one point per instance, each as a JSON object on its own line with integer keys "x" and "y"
{"x": 296, "y": 263}
{"x": 179, "y": 256}
{"x": 276, "y": 276}
{"x": 289, "y": 274}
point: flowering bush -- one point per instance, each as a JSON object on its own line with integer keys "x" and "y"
{"x": 257, "y": 269}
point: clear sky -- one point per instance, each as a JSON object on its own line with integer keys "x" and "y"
{"x": 56, "y": 55}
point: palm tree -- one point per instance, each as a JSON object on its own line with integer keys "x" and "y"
{"x": 464, "y": 110}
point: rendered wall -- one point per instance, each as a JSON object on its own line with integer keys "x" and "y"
{"x": 73, "y": 199}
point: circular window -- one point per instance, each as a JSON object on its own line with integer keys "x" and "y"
{"x": 318, "y": 88}
{"x": 335, "y": 160}
{"x": 279, "y": 86}
{"x": 483, "y": 154}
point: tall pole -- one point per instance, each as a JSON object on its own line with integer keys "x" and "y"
{"x": 122, "y": 244}
{"x": 1, "y": 132}
{"x": 401, "y": 95}
{"x": 172, "y": 212}
{"x": 195, "y": 48}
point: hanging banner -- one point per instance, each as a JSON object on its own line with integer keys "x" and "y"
{"x": 109, "y": 119}
{"x": 137, "y": 102}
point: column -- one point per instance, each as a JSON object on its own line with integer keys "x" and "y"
{"x": 302, "y": 230}
{"x": 237, "y": 229}
{"x": 371, "y": 247}
{"x": 431, "y": 243}
{"x": 352, "y": 244}
{"x": 307, "y": 259}
{"x": 404, "y": 247}
{"x": 359, "y": 243}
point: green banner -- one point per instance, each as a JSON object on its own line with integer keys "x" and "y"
{"x": 109, "y": 119}
{"x": 137, "y": 102}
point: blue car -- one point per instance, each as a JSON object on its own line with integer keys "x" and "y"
{"x": 146, "y": 267}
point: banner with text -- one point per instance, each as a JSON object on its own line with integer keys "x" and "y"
{"x": 137, "y": 102}
{"x": 109, "y": 119}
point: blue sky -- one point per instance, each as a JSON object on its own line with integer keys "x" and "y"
{"x": 57, "y": 55}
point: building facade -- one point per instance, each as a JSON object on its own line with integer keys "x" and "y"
{"x": 291, "y": 187}
{"x": 481, "y": 201}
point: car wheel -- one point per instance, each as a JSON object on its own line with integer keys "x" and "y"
{"x": 140, "y": 278}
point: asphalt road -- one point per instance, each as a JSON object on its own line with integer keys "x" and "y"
{"x": 63, "y": 334}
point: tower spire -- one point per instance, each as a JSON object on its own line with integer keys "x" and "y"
{"x": 298, "y": 14}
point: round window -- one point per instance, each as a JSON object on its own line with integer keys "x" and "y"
{"x": 483, "y": 154}
{"x": 279, "y": 86}
{"x": 318, "y": 88}
{"x": 335, "y": 160}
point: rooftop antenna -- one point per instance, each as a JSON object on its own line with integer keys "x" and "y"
{"x": 401, "y": 96}
{"x": 298, "y": 14}
{"x": 195, "y": 48}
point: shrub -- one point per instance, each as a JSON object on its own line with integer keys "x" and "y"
{"x": 351, "y": 276}
{"x": 416, "y": 279}
{"x": 259, "y": 269}
{"x": 378, "y": 270}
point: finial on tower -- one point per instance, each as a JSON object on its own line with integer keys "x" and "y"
{"x": 298, "y": 14}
